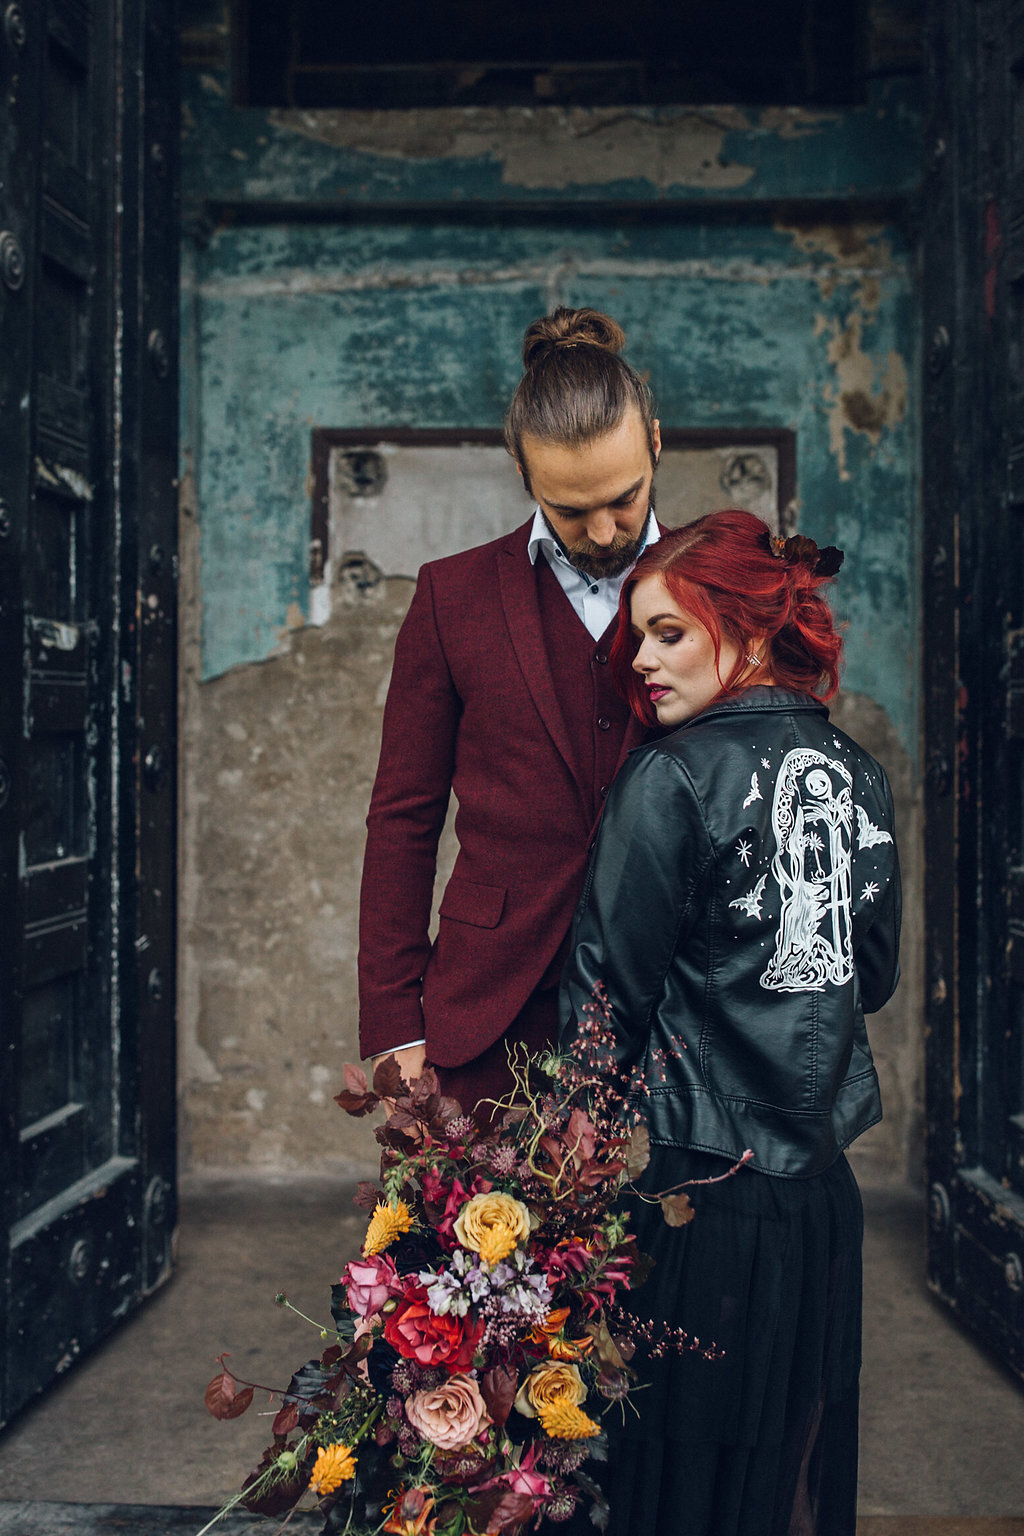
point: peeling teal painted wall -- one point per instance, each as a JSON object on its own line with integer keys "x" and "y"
{"x": 399, "y": 312}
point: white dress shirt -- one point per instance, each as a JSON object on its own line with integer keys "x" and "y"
{"x": 594, "y": 600}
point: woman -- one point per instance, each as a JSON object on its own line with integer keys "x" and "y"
{"x": 742, "y": 912}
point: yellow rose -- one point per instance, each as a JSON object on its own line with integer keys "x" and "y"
{"x": 556, "y": 1381}
{"x": 492, "y": 1225}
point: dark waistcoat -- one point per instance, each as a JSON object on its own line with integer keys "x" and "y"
{"x": 595, "y": 715}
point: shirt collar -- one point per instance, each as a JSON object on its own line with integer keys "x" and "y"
{"x": 542, "y": 539}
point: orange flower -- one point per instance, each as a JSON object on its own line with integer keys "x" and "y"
{"x": 548, "y": 1333}
{"x": 562, "y": 1420}
{"x": 410, "y": 1515}
{"x": 551, "y": 1325}
{"x": 334, "y": 1465}
{"x": 569, "y": 1349}
{"x": 387, "y": 1223}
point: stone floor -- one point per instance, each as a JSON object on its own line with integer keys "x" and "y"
{"x": 942, "y": 1424}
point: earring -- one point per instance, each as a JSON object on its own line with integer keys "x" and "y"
{"x": 755, "y": 661}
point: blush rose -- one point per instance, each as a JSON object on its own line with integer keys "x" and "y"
{"x": 450, "y": 1416}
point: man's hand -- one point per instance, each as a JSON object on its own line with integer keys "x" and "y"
{"x": 410, "y": 1060}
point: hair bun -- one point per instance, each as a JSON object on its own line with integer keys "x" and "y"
{"x": 570, "y": 328}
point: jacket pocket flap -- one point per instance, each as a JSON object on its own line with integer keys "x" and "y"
{"x": 467, "y": 902}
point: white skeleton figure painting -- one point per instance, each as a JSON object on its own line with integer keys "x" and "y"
{"x": 812, "y": 818}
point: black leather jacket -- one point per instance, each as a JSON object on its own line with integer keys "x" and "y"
{"x": 742, "y": 909}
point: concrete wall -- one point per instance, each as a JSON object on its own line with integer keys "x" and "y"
{"x": 364, "y": 269}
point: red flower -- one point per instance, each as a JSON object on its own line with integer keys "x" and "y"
{"x": 447, "y": 1199}
{"x": 420, "y": 1335}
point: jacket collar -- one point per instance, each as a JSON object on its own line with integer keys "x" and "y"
{"x": 763, "y": 698}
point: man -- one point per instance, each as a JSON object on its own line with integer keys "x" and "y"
{"x": 501, "y": 692}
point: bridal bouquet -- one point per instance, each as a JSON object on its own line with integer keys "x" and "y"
{"x": 475, "y": 1343}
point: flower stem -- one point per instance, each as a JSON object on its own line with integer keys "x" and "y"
{"x": 282, "y": 1301}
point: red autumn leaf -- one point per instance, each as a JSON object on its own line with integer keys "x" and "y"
{"x": 223, "y": 1399}
{"x": 677, "y": 1209}
{"x": 356, "y": 1104}
{"x": 286, "y": 1418}
{"x": 355, "y": 1078}
{"x": 367, "y": 1195}
{"x": 425, "y": 1086}
{"x": 402, "y": 1120}
{"x": 498, "y": 1390}
{"x": 388, "y": 1081}
{"x": 512, "y": 1511}
{"x": 581, "y": 1135}
{"x": 449, "y": 1109}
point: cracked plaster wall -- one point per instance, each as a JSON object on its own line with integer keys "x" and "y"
{"x": 381, "y": 315}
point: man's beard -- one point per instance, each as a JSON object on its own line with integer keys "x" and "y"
{"x": 599, "y": 561}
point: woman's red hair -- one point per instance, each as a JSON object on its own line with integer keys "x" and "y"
{"x": 721, "y": 571}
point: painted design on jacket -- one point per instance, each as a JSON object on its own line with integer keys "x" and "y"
{"x": 812, "y": 818}
{"x": 750, "y": 901}
{"x": 868, "y": 835}
{"x": 755, "y": 792}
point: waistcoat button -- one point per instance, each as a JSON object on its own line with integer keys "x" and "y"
{"x": 600, "y": 658}
{"x": 603, "y": 724}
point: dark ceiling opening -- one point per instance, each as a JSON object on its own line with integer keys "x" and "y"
{"x": 405, "y": 53}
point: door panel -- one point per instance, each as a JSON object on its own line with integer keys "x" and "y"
{"x": 973, "y": 570}
{"x": 77, "y": 1157}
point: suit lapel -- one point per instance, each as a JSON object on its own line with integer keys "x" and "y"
{"x": 517, "y": 582}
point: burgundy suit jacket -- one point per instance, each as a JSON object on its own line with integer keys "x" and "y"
{"x": 473, "y": 707}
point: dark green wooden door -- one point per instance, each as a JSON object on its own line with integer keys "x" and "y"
{"x": 973, "y": 503}
{"x": 87, "y": 673}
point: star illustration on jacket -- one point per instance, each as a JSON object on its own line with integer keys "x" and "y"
{"x": 743, "y": 852}
{"x": 869, "y": 892}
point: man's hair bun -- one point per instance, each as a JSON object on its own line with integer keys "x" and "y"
{"x": 570, "y": 328}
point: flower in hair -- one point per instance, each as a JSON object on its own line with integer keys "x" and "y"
{"x": 799, "y": 549}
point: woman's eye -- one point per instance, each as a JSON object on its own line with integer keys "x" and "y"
{"x": 670, "y": 636}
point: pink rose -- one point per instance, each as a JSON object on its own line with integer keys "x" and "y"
{"x": 369, "y": 1283}
{"x": 449, "y": 1416}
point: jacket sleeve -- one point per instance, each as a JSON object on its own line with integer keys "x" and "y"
{"x": 877, "y": 949}
{"x": 407, "y": 813}
{"x": 639, "y": 900}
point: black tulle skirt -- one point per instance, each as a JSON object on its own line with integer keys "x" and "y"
{"x": 762, "y": 1441}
